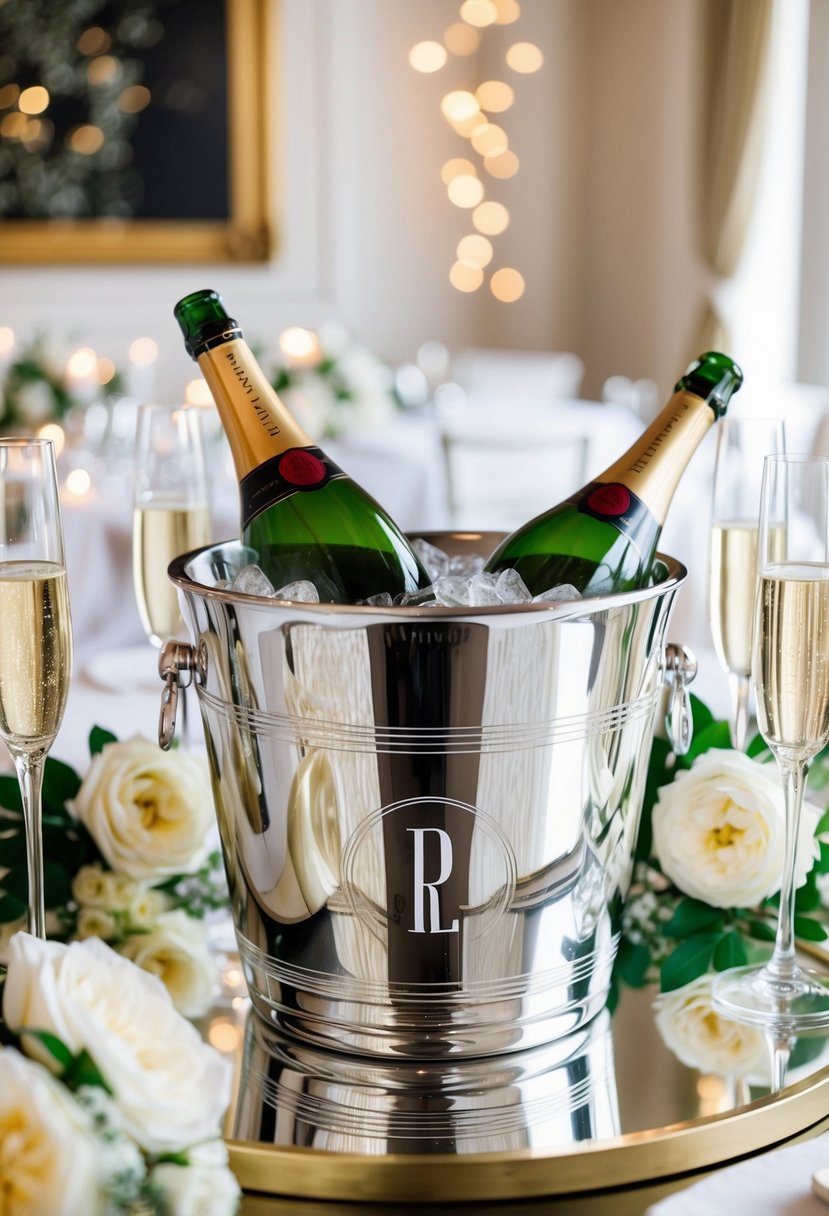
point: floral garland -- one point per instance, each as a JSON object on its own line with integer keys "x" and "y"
{"x": 347, "y": 388}
{"x": 705, "y": 889}
{"x": 110, "y": 1101}
{"x": 35, "y": 388}
{"x": 127, "y": 859}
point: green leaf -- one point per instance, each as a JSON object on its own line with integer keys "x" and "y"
{"x": 633, "y": 961}
{"x": 12, "y": 849}
{"x": 761, "y": 930}
{"x": 55, "y": 1046}
{"x": 11, "y": 909}
{"x": 756, "y": 747}
{"x": 10, "y": 794}
{"x": 16, "y": 883}
{"x": 809, "y": 930}
{"x": 692, "y": 916}
{"x": 83, "y": 1070}
{"x": 822, "y": 824}
{"x": 688, "y": 962}
{"x": 98, "y": 739}
{"x": 822, "y": 863}
{"x": 807, "y": 896}
{"x": 60, "y": 783}
{"x": 701, "y": 714}
{"x": 730, "y": 951}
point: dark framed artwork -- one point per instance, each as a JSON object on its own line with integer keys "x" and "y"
{"x": 135, "y": 131}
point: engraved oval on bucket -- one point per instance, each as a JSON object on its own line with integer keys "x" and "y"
{"x": 446, "y": 869}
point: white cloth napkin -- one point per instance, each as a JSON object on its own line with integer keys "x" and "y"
{"x": 777, "y": 1183}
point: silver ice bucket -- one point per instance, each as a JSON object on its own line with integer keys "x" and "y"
{"x": 427, "y": 815}
{"x": 293, "y": 1094}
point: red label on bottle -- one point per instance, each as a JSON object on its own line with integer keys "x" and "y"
{"x": 297, "y": 471}
{"x": 301, "y": 468}
{"x": 612, "y": 499}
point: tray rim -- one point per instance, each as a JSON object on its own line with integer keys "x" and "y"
{"x": 640, "y": 1157}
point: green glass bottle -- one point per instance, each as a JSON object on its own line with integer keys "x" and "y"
{"x": 603, "y": 538}
{"x": 304, "y": 517}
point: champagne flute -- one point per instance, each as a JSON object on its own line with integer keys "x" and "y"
{"x": 170, "y": 513}
{"x": 742, "y": 445}
{"x": 35, "y": 633}
{"x": 790, "y": 671}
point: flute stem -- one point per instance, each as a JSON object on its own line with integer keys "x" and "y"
{"x": 29, "y": 766}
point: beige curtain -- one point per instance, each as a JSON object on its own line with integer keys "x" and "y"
{"x": 736, "y": 41}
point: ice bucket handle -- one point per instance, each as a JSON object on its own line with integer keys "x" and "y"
{"x": 177, "y": 664}
{"x": 679, "y": 671}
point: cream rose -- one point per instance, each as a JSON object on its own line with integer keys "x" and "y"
{"x": 702, "y": 1038}
{"x": 197, "y": 1190}
{"x": 175, "y": 949}
{"x": 48, "y": 1152}
{"x": 170, "y": 1088}
{"x": 719, "y": 830}
{"x": 148, "y": 811}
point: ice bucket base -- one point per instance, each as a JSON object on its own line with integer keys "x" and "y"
{"x": 294, "y": 1095}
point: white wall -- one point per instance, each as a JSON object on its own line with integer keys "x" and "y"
{"x": 601, "y": 208}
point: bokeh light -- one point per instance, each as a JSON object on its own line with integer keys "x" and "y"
{"x": 466, "y": 276}
{"x": 459, "y": 105}
{"x": 143, "y": 351}
{"x": 490, "y": 218}
{"x": 479, "y": 13}
{"x": 455, "y": 167}
{"x": 197, "y": 393}
{"x": 495, "y": 96}
{"x": 55, "y": 432}
{"x": 105, "y": 370}
{"x": 86, "y": 139}
{"x": 490, "y": 139}
{"x": 78, "y": 482}
{"x": 507, "y": 10}
{"x": 507, "y": 285}
{"x": 82, "y": 363}
{"x": 525, "y": 57}
{"x": 33, "y": 100}
{"x": 133, "y": 99}
{"x": 300, "y": 347}
{"x": 475, "y": 249}
{"x": 465, "y": 190}
{"x": 505, "y": 164}
{"x": 461, "y": 39}
{"x": 427, "y": 56}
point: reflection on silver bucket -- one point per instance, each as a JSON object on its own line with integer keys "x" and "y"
{"x": 427, "y": 814}
{"x": 293, "y": 1094}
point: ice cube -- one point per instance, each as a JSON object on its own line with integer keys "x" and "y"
{"x": 466, "y": 563}
{"x": 434, "y": 561}
{"x": 252, "y": 581}
{"x": 383, "y": 599}
{"x": 408, "y": 599}
{"x": 564, "y": 591}
{"x": 301, "y": 592}
{"x": 511, "y": 588}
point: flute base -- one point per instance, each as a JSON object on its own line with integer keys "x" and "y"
{"x": 796, "y": 1003}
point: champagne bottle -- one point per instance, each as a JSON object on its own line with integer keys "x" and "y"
{"x": 303, "y": 516}
{"x": 603, "y": 538}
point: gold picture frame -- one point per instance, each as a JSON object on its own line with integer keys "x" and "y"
{"x": 244, "y": 235}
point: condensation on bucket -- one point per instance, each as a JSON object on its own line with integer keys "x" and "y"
{"x": 428, "y": 817}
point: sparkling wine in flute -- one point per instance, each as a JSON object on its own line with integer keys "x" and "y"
{"x": 732, "y": 584}
{"x": 35, "y": 651}
{"x": 792, "y": 680}
{"x": 790, "y": 673}
{"x": 162, "y": 531}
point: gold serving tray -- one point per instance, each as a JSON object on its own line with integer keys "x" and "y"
{"x": 676, "y": 1123}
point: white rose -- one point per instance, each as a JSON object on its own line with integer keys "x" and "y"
{"x": 121, "y": 891}
{"x": 146, "y": 907}
{"x": 95, "y": 922}
{"x": 171, "y": 1089}
{"x": 148, "y": 811}
{"x": 702, "y": 1038}
{"x": 89, "y": 887}
{"x": 197, "y": 1190}
{"x": 719, "y": 830}
{"x": 176, "y": 950}
{"x": 48, "y": 1152}
{"x": 52, "y": 925}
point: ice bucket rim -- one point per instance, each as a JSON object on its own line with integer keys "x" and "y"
{"x": 675, "y": 575}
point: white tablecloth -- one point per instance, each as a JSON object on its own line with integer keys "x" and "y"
{"x": 774, "y": 1184}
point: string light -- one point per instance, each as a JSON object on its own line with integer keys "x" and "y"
{"x": 468, "y": 113}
